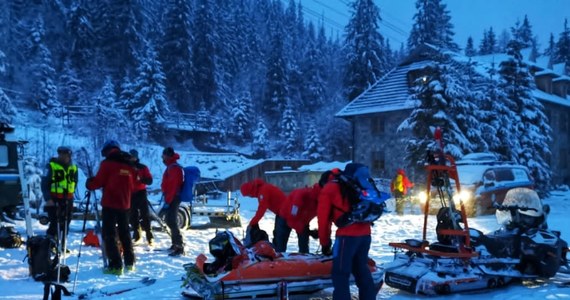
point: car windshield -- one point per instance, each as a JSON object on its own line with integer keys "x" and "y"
{"x": 521, "y": 197}
{"x": 471, "y": 174}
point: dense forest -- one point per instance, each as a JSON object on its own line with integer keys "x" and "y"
{"x": 265, "y": 78}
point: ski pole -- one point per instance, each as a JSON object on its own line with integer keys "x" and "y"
{"x": 77, "y": 265}
{"x": 88, "y": 196}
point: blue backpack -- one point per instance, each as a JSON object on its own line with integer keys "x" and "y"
{"x": 191, "y": 175}
{"x": 367, "y": 202}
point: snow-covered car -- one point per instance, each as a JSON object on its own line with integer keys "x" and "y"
{"x": 485, "y": 180}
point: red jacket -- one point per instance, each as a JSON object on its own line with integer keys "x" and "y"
{"x": 172, "y": 179}
{"x": 269, "y": 197}
{"x": 117, "y": 178}
{"x": 301, "y": 207}
{"x": 330, "y": 207}
{"x": 143, "y": 177}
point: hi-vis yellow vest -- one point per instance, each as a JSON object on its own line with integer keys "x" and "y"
{"x": 62, "y": 180}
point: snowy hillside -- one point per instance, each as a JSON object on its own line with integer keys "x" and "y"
{"x": 16, "y": 284}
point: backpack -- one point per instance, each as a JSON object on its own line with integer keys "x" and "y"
{"x": 191, "y": 175}
{"x": 9, "y": 237}
{"x": 43, "y": 259}
{"x": 367, "y": 202}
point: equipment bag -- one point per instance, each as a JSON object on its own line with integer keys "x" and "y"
{"x": 43, "y": 259}
{"x": 91, "y": 239}
{"x": 191, "y": 175}
{"x": 9, "y": 237}
{"x": 367, "y": 202}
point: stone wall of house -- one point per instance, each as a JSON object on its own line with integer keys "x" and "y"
{"x": 560, "y": 146}
{"x": 389, "y": 145}
{"x": 386, "y": 145}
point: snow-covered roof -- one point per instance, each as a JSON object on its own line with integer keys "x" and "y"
{"x": 388, "y": 94}
{"x": 323, "y": 166}
{"x": 391, "y": 92}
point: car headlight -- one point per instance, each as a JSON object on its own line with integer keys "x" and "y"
{"x": 423, "y": 197}
{"x": 463, "y": 196}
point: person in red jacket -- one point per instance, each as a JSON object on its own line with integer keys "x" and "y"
{"x": 300, "y": 208}
{"x": 352, "y": 242}
{"x": 116, "y": 176}
{"x": 172, "y": 181}
{"x": 140, "y": 216}
{"x": 270, "y": 198}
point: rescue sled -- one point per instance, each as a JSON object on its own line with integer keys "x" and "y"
{"x": 465, "y": 259}
{"x": 258, "y": 271}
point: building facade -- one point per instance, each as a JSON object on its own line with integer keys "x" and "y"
{"x": 378, "y": 112}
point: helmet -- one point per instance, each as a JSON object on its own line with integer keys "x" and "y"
{"x": 110, "y": 144}
{"x": 134, "y": 153}
{"x": 64, "y": 150}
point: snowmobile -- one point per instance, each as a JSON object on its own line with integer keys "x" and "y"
{"x": 258, "y": 271}
{"x": 465, "y": 259}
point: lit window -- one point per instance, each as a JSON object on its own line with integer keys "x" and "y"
{"x": 3, "y": 156}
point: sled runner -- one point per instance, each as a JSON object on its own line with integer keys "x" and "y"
{"x": 259, "y": 271}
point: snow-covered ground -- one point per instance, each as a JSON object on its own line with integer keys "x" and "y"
{"x": 16, "y": 284}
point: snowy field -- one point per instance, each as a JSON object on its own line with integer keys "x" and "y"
{"x": 15, "y": 283}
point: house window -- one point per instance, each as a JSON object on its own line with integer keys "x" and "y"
{"x": 378, "y": 161}
{"x": 377, "y": 125}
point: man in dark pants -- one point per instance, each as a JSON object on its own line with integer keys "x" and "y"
{"x": 58, "y": 187}
{"x": 117, "y": 176}
{"x": 171, "y": 185}
{"x": 352, "y": 243}
{"x": 139, "y": 202}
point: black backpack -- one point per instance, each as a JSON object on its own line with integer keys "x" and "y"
{"x": 367, "y": 202}
{"x": 43, "y": 259}
{"x": 9, "y": 237}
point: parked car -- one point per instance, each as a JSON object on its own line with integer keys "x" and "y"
{"x": 483, "y": 180}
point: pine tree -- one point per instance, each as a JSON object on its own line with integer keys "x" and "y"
{"x": 149, "y": 99}
{"x": 203, "y": 55}
{"x": 445, "y": 101}
{"x": 523, "y": 32}
{"x": 7, "y": 110}
{"x": 489, "y": 43}
{"x": 313, "y": 83}
{"x": 260, "y": 140}
{"x": 175, "y": 54}
{"x": 432, "y": 25}
{"x": 533, "y": 130}
{"x": 289, "y": 131}
{"x": 563, "y": 47}
{"x": 108, "y": 112}
{"x": 119, "y": 29}
{"x": 80, "y": 31}
{"x": 366, "y": 58}
{"x": 503, "y": 41}
{"x": 550, "y": 51}
{"x": 469, "y": 48}
{"x": 313, "y": 146}
{"x": 44, "y": 92}
{"x": 277, "y": 84}
{"x": 241, "y": 116}
{"x": 69, "y": 91}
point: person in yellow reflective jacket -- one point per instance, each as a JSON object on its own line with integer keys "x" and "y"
{"x": 399, "y": 188}
{"x": 58, "y": 188}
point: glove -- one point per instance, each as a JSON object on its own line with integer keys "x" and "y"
{"x": 327, "y": 250}
{"x": 87, "y": 182}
